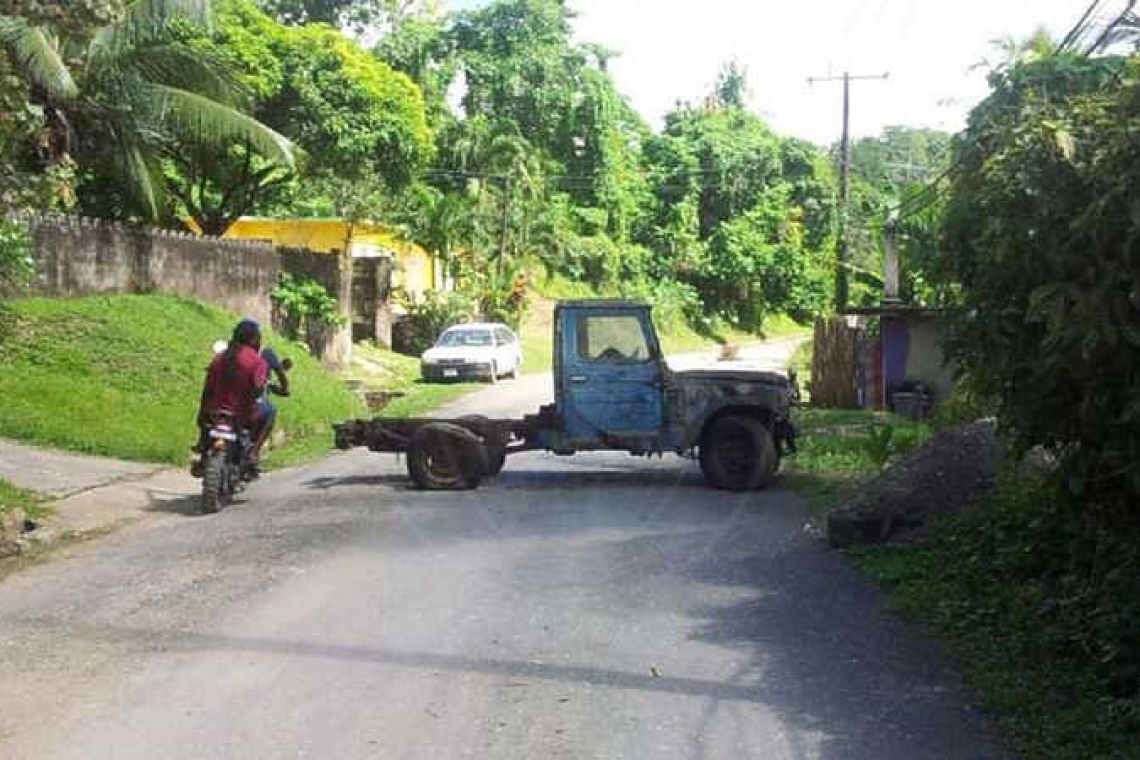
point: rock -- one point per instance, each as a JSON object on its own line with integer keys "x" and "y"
{"x": 12, "y": 524}
{"x": 849, "y": 526}
{"x": 11, "y": 528}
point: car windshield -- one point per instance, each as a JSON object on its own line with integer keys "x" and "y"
{"x": 465, "y": 338}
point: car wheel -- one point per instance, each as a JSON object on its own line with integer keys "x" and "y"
{"x": 737, "y": 454}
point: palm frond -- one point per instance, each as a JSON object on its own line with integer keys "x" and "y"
{"x": 149, "y": 21}
{"x": 207, "y": 121}
{"x": 181, "y": 67}
{"x": 141, "y": 178}
{"x": 37, "y": 55}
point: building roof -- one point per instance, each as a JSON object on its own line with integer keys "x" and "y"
{"x": 894, "y": 310}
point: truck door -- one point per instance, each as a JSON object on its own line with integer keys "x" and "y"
{"x": 611, "y": 374}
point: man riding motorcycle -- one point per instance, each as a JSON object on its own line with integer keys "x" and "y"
{"x": 236, "y": 382}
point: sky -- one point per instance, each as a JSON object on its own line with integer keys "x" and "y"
{"x": 672, "y": 50}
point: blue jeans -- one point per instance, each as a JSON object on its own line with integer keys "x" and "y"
{"x": 266, "y": 416}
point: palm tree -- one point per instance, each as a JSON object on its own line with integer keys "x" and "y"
{"x": 136, "y": 93}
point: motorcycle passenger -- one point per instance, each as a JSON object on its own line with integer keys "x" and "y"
{"x": 236, "y": 381}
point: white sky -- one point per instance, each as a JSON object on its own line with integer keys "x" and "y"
{"x": 672, "y": 49}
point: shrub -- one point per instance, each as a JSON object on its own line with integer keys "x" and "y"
{"x": 304, "y": 310}
{"x": 427, "y": 318}
{"x": 17, "y": 267}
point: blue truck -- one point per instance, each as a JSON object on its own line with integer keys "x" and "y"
{"x": 612, "y": 392}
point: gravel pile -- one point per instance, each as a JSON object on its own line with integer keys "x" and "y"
{"x": 943, "y": 476}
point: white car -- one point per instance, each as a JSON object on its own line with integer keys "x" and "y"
{"x": 487, "y": 351}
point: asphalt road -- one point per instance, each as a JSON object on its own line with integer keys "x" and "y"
{"x": 598, "y": 606}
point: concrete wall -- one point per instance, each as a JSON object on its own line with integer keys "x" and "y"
{"x": 79, "y": 257}
{"x": 334, "y": 271}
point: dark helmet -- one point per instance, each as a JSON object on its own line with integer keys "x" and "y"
{"x": 247, "y": 333}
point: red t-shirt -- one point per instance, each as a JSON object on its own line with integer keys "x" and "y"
{"x": 237, "y": 391}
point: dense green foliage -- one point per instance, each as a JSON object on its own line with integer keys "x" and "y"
{"x": 1042, "y": 613}
{"x": 120, "y": 98}
{"x": 122, "y": 376}
{"x": 1048, "y": 283}
{"x": 1035, "y": 251}
{"x": 491, "y": 136}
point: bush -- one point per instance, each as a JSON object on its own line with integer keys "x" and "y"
{"x": 1043, "y": 610}
{"x": 17, "y": 268}
{"x": 304, "y": 310}
{"x": 426, "y": 319}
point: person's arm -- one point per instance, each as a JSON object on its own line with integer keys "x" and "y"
{"x": 270, "y": 357}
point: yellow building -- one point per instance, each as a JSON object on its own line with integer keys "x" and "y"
{"x": 416, "y": 270}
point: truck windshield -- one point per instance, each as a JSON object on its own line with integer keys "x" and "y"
{"x": 465, "y": 338}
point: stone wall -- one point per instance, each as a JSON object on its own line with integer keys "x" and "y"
{"x": 76, "y": 257}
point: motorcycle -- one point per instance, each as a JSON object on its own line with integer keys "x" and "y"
{"x": 224, "y": 464}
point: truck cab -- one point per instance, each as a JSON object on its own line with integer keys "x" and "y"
{"x": 614, "y": 391}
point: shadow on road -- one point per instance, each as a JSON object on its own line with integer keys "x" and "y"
{"x": 397, "y": 482}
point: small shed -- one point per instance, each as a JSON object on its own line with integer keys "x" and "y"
{"x": 905, "y": 357}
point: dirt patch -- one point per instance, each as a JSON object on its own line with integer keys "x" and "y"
{"x": 944, "y": 476}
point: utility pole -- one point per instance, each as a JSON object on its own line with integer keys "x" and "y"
{"x": 504, "y": 230}
{"x": 841, "y": 289}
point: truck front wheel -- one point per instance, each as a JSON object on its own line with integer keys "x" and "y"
{"x": 737, "y": 454}
{"x": 445, "y": 457}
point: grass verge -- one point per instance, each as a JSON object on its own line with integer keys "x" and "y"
{"x": 121, "y": 376}
{"x": 1042, "y": 614}
{"x": 12, "y": 497}
{"x": 838, "y": 450}
{"x": 1039, "y": 605}
{"x": 382, "y": 370}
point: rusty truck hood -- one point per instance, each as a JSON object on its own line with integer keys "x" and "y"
{"x": 732, "y": 375}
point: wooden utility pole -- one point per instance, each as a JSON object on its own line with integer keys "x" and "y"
{"x": 506, "y": 214}
{"x": 841, "y": 289}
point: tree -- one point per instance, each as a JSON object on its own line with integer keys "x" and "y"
{"x": 138, "y": 93}
{"x": 361, "y": 125}
{"x": 1041, "y": 266}
{"x": 731, "y": 89}
{"x": 349, "y": 14}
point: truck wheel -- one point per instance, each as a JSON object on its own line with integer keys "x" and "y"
{"x": 494, "y": 445}
{"x": 445, "y": 457}
{"x": 737, "y": 454}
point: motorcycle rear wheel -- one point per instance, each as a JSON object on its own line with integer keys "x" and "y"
{"x": 213, "y": 481}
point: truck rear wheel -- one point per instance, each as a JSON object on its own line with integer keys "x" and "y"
{"x": 494, "y": 443}
{"x": 737, "y": 454}
{"x": 445, "y": 457}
